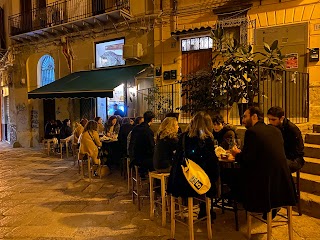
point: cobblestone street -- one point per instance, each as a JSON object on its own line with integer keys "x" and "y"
{"x": 44, "y": 197}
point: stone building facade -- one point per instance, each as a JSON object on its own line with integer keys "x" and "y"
{"x": 160, "y": 26}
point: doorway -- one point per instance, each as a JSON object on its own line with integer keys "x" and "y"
{"x": 193, "y": 62}
{"x": 88, "y": 108}
{"x": 49, "y": 110}
{"x": 26, "y": 18}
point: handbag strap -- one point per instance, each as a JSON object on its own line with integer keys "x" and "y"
{"x": 93, "y": 139}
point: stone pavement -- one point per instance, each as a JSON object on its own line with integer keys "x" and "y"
{"x": 45, "y": 198}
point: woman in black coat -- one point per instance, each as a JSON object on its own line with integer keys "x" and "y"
{"x": 199, "y": 147}
{"x": 125, "y": 128}
{"x": 166, "y": 145}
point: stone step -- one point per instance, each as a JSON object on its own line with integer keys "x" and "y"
{"x": 310, "y": 204}
{"x": 312, "y": 138}
{"x": 309, "y": 183}
{"x": 311, "y": 150}
{"x": 311, "y": 166}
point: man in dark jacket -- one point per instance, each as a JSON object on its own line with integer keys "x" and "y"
{"x": 293, "y": 143}
{"x": 267, "y": 182}
{"x": 141, "y": 145}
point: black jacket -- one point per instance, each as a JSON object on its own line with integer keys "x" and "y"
{"x": 164, "y": 152}
{"x": 122, "y": 137}
{"x": 142, "y": 145}
{"x": 224, "y": 136}
{"x": 202, "y": 153}
{"x": 65, "y": 131}
{"x": 293, "y": 143}
{"x": 267, "y": 181}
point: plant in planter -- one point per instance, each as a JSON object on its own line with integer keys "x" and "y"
{"x": 233, "y": 78}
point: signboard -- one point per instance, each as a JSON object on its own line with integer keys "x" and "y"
{"x": 291, "y": 61}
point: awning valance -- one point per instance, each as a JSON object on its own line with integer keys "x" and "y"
{"x": 85, "y": 84}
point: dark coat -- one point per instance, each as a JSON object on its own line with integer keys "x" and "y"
{"x": 164, "y": 152}
{"x": 293, "y": 143}
{"x": 267, "y": 182}
{"x": 65, "y": 131}
{"x": 202, "y": 153}
{"x": 122, "y": 137}
{"x": 142, "y": 146}
{"x": 224, "y": 136}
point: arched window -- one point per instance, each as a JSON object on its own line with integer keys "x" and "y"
{"x": 46, "y": 67}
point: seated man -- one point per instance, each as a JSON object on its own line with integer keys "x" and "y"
{"x": 293, "y": 143}
{"x": 142, "y": 145}
{"x": 266, "y": 180}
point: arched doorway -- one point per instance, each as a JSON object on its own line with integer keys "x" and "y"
{"x": 46, "y": 75}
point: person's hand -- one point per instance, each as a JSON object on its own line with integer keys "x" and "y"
{"x": 235, "y": 150}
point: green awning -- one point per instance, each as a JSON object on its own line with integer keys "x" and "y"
{"x": 85, "y": 84}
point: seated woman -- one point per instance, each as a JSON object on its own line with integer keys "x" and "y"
{"x": 100, "y": 125}
{"x": 224, "y": 134}
{"x": 112, "y": 127}
{"x": 196, "y": 144}
{"x": 79, "y": 129}
{"x": 166, "y": 145}
{"x": 90, "y": 141}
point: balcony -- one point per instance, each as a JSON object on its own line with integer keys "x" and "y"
{"x": 67, "y": 16}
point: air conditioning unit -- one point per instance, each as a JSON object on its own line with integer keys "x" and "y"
{"x": 133, "y": 51}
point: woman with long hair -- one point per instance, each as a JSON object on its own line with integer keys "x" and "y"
{"x": 112, "y": 127}
{"x": 100, "y": 125}
{"x": 90, "y": 142}
{"x": 166, "y": 145}
{"x": 195, "y": 144}
{"x": 79, "y": 130}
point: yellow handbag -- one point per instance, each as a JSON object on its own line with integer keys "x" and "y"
{"x": 195, "y": 175}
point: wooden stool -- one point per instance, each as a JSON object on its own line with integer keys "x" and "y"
{"x": 269, "y": 223}
{"x": 86, "y": 160}
{"x": 129, "y": 175}
{"x": 75, "y": 152}
{"x": 47, "y": 145}
{"x": 297, "y": 182}
{"x": 136, "y": 186}
{"x": 66, "y": 143}
{"x": 190, "y": 217}
{"x": 162, "y": 177}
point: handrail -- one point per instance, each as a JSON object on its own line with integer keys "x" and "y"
{"x": 60, "y": 12}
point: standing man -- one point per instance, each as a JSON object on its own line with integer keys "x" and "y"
{"x": 117, "y": 111}
{"x": 141, "y": 145}
{"x": 266, "y": 180}
{"x": 293, "y": 143}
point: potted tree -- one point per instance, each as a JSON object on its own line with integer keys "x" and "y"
{"x": 233, "y": 78}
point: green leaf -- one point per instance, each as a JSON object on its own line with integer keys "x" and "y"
{"x": 274, "y": 45}
{"x": 267, "y": 47}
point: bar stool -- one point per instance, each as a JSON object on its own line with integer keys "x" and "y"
{"x": 86, "y": 160}
{"x": 129, "y": 175}
{"x": 47, "y": 145}
{"x": 137, "y": 186}
{"x": 190, "y": 217}
{"x": 297, "y": 182}
{"x": 163, "y": 179}
{"x": 269, "y": 223}
{"x": 75, "y": 152}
